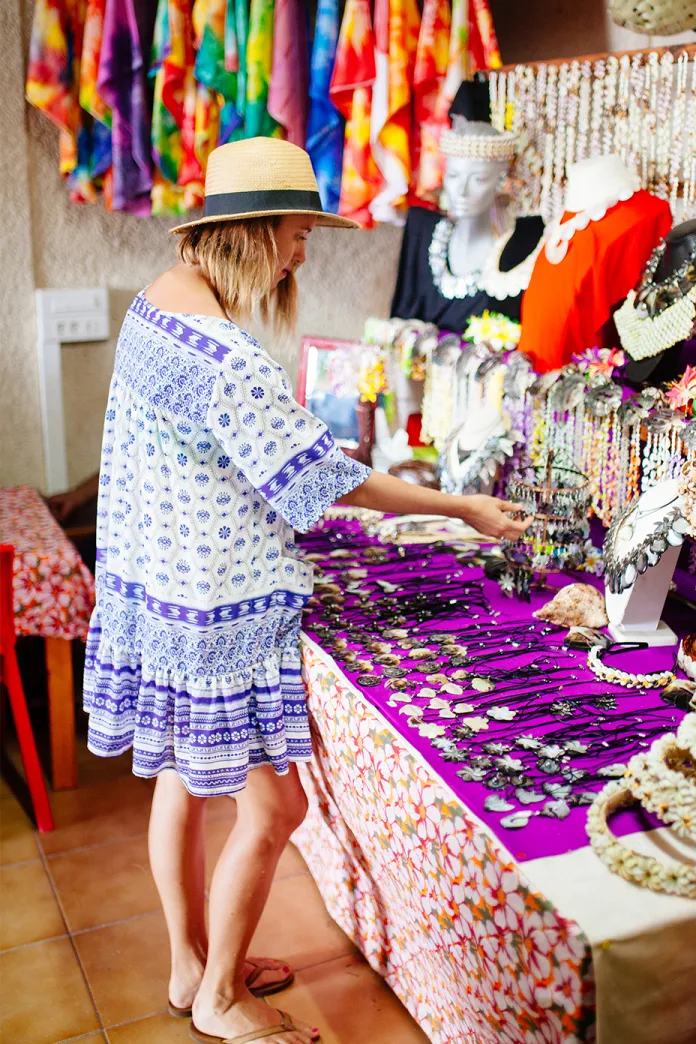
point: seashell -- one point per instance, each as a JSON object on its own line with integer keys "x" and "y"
{"x": 501, "y": 713}
{"x": 476, "y": 724}
{"x": 430, "y": 731}
{"x": 452, "y": 690}
{"x": 463, "y": 708}
{"x": 396, "y": 632}
{"x": 516, "y": 821}
{"x": 558, "y": 809}
{"x": 528, "y": 797}
{"x": 460, "y": 675}
{"x": 577, "y": 605}
{"x": 681, "y": 693}
{"x": 421, "y": 654}
{"x": 437, "y": 679}
{"x": 494, "y": 803}
{"x": 585, "y": 638}
{"x": 471, "y": 774}
{"x": 482, "y": 685}
{"x": 614, "y": 771}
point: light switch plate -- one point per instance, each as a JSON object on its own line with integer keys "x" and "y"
{"x": 71, "y": 316}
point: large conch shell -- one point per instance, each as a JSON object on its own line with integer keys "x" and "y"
{"x": 577, "y": 605}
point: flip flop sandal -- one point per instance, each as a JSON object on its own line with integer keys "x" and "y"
{"x": 286, "y": 1025}
{"x": 259, "y": 991}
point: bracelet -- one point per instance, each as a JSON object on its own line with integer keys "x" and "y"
{"x": 664, "y": 781}
{"x": 615, "y": 675}
{"x": 642, "y": 870}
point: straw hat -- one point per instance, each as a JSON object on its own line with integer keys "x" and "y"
{"x": 260, "y": 177}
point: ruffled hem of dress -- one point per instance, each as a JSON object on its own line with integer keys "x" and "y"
{"x": 211, "y": 730}
{"x": 322, "y": 486}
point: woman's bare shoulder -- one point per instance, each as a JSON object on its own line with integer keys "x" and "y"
{"x": 182, "y": 289}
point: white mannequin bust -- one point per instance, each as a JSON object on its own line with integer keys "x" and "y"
{"x": 470, "y": 188}
{"x": 597, "y": 180}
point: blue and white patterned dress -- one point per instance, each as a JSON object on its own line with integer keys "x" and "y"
{"x": 208, "y": 466}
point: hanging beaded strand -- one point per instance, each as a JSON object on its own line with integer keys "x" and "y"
{"x": 676, "y": 157}
{"x": 664, "y": 128}
{"x": 609, "y": 125}
{"x": 557, "y": 193}
{"x": 585, "y": 102}
{"x": 689, "y": 197}
{"x": 573, "y": 104}
{"x": 623, "y": 93}
{"x": 597, "y": 114}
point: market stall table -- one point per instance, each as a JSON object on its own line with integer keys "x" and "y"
{"x": 53, "y": 599}
{"x": 486, "y": 934}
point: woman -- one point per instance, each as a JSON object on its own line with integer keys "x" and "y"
{"x": 208, "y": 465}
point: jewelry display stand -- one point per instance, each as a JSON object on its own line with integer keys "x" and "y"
{"x": 635, "y": 613}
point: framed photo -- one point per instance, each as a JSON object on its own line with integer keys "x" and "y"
{"x": 328, "y": 385}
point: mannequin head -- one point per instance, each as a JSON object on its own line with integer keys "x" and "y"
{"x": 471, "y": 185}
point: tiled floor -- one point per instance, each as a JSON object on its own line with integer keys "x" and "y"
{"x": 83, "y": 943}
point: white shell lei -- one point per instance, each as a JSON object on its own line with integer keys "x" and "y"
{"x": 499, "y": 284}
{"x": 449, "y": 285}
{"x": 662, "y": 789}
{"x": 559, "y": 235}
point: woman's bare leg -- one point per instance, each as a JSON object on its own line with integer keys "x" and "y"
{"x": 269, "y": 809}
{"x": 177, "y": 859}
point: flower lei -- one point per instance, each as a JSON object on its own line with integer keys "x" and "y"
{"x": 496, "y": 330}
{"x": 372, "y": 379}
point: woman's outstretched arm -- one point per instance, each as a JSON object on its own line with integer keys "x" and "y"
{"x": 488, "y": 515}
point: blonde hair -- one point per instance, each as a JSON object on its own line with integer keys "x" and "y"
{"x": 238, "y": 261}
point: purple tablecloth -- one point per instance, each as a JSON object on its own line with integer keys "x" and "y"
{"x": 629, "y": 726}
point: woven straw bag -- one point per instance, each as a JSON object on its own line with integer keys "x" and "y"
{"x": 655, "y": 17}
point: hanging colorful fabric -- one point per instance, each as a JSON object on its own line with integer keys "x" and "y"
{"x": 351, "y": 93}
{"x": 53, "y": 52}
{"x": 180, "y": 186}
{"x": 289, "y": 85}
{"x": 222, "y": 28}
{"x": 397, "y": 23}
{"x": 432, "y": 59}
{"x": 484, "y": 52}
{"x": 122, "y": 83}
{"x": 53, "y": 84}
{"x": 325, "y": 127}
{"x": 259, "y": 65}
{"x": 90, "y": 99}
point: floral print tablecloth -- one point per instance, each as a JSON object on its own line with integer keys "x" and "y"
{"x": 53, "y": 588}
{"x": 431, "y": 898}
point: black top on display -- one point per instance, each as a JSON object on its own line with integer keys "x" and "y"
{"x": 680, "y": 245}
{"x": 472, "y": 101}
{"x": 525, "y": 238}
{"x": 415, "y": 295}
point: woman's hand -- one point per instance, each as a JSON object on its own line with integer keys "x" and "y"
{"x": 489, "y": 516}
{"x": 62, "y": 505}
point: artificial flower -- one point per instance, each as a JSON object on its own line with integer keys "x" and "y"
{"x": 600, "y": 360}
{"x": 682, "y": 393}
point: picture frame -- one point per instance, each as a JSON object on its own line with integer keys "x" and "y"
{"x": 316, "y": 388}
